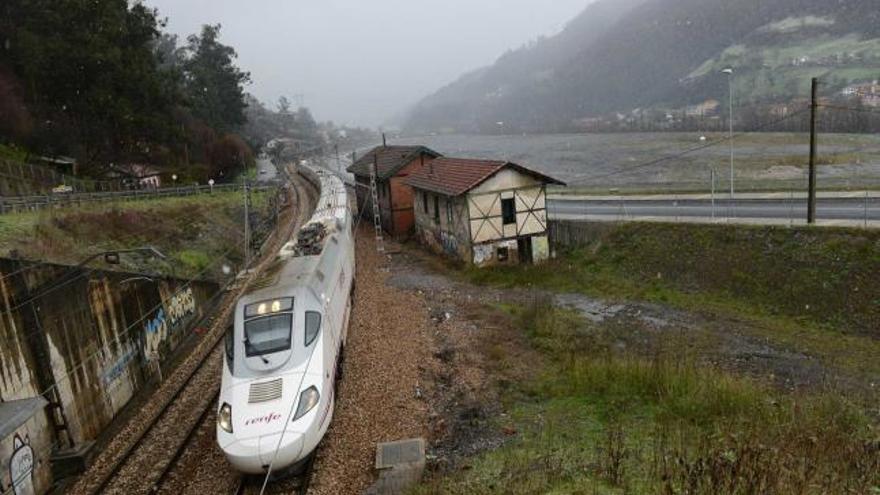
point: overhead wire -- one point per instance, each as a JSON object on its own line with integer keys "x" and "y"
{"x": 295, "y": 403}
{"x": 125, "y": 331}
{"x": 195, "y": 278}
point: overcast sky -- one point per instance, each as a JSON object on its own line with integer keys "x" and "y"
{"x": 365, "y": 61}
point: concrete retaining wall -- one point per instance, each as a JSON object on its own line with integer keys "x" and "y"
{"x": 86, "y": 348}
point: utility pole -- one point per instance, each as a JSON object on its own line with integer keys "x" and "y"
{"x": 814, "y": 120}
{"x": 247, "y": 228}
{"x": 712, "y": 178}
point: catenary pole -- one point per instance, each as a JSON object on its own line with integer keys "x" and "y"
{"x": 814, "y": 119}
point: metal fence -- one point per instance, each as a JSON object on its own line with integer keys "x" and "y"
{"x": 18, "y": 204}
{"x": 20, "y": 179}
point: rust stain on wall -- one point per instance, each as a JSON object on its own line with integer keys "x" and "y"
{"x": 105, "y": 334}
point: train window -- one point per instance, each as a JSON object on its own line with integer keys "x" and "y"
{"x": 313, "y": 326}
{"x": 267, "y": 335}
{"x": 267, "y": 307}
{"x": 230, "y": 346}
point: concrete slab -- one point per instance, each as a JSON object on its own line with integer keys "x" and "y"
{"x": 15, "y": 413}
{"x": 391, "y": 454}
{"x": 401, "y": 465}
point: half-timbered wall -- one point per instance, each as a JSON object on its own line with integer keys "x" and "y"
{"x": 489, "y": 233}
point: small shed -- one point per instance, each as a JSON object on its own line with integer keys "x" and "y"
{"x": 394, "y": 164}
{"x": 481, "y": 211}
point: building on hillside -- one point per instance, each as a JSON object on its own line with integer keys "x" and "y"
{"x": 393, "y": 165}
{"x": 708, "y": 108}
{"x": 482, "y": 212}
{"x": 136, "y": 175}
{"x": 862, "y": 89}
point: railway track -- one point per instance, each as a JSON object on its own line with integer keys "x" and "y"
{"x": 290, "y": 485}
{"x": 188, "y": 398}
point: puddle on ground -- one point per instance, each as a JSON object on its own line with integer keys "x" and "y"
{"x": 594, "y": 310}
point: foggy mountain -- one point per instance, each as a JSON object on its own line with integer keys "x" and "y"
{"x": 620, "y": 55}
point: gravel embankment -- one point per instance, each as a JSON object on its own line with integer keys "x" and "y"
{"x": 380, "y": 399}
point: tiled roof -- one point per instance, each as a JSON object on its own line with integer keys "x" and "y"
{"x": 390, "y": 160}
{"x": 456, "y": 176}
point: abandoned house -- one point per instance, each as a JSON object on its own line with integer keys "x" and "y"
{"x": 482, "y": 212}
{"x": 394, "y": 164}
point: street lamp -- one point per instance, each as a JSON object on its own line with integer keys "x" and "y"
{"x": 729, "y": 72}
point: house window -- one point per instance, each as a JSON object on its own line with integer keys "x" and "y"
{"x": 436, "y": 209}
{"x": 449, "y": 212}
{"x": 503, "y": 254}
{"x": 508, "y": 211}
{"x": 425, "y": 202}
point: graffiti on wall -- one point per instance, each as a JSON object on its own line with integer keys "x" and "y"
{"x": 483, "y": 253}
{"x": 167, "y": 319}
{"x": 448, "y": 242}
{"x": 21, "y": 467}
{"x": 181, "y": 305}
{"x": 115, "y": 370}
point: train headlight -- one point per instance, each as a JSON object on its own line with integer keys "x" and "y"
{"x": 224, "y": 418}
{"x": 308, "y": 399}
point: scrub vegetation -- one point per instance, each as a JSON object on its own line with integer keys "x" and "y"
{"x": 198, "y": 234}
{"x": 604, "y": 415}
{"x": 598, "y": 419}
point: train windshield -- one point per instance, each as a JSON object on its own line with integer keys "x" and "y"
{"x": 268, "y": 335}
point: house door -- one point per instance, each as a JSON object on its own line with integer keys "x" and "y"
{"x": 524, "y": 247}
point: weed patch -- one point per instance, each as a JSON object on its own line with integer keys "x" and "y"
{"x": 597, "y": 420}
{"x": 198, "y": 234}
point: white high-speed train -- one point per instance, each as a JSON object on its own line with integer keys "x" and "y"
{"x": 285, "y": 350}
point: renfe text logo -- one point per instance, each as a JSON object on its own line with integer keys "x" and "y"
{"x": 263, "y": 419}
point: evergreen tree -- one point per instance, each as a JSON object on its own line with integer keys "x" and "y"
{"x": 215, "y": 86}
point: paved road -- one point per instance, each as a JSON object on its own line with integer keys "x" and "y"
{"x": 836, "y": 209}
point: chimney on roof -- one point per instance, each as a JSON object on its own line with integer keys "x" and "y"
{"x": 384, "y": 143}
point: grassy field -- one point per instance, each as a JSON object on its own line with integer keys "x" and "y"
{"x": 596, "y": 163}
{"x": 198, "y": 234}
{"x": 604, "y": 416}
{"x": 808, "y": 288}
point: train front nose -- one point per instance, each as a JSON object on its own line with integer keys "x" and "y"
{"x": 255, "y": 455}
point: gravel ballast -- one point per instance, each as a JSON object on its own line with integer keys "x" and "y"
{"x": 388, "y": 349}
